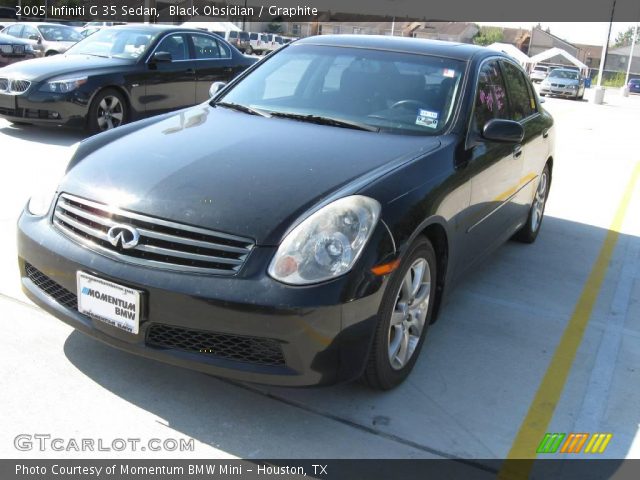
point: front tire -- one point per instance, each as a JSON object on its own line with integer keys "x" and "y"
{"x": 249, "y": 50}
{"x": 108, "y": 110}
{"x": 529, "y": 231}
{"x": 404, "y": 317}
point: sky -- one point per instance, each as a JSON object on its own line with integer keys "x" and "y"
{"x": 593, "y": 33}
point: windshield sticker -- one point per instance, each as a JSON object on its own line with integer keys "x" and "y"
{"x": 427, "y": 118}
{"x": 448, "y": 72}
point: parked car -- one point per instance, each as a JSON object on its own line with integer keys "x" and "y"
{"x": 258, "y": 43}
{"x": 563, "y": 82}
{"x": 240, "y": 40}
{"x": 299, "y": 232}
{"x": 634, "y": 85}
{"x": 119, "y": 74}
{"x": 85, "y": 32}
{"x": 274, "y": 42}
{"x": 103, "y": 24}
{"x": 14, "y": 50}
{"x": 539, "y": 73}
{"x": 46, "y": 38}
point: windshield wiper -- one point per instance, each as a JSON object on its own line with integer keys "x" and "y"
{"x": 334, "y": 122}
{"x": 242, "y": 108}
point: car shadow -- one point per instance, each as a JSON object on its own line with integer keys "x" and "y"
{"x": 44, "y": 135}
{"x": 471, "y": 387}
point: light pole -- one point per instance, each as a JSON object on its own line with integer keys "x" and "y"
{"x": 633, "y": 45}
{"x": 598, "y": 96}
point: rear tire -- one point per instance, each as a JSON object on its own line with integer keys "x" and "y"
{"x": 404, "y": 317}
{"x": 529, "y": 231}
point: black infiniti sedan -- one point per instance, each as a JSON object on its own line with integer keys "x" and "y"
{"x": 117, "y": 75}
{"x": 303, "y": 226}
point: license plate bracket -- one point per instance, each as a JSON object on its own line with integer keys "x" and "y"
{"x": 109, "y": 302}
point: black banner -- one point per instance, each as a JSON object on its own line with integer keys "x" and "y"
{"x": 578, "y": 469}
{"x": 320, "y": 10}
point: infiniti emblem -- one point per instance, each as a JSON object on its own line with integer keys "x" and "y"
{"x": 125, "y": 235}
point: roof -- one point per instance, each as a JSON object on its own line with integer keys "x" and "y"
{"x": 626, "y": 51}
{"x": 459, "y": 51}
{"x": 552, "y": 52}
{"x": 445, "y": 28}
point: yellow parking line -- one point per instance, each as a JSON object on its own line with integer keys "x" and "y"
{"x": 541, "y": 410}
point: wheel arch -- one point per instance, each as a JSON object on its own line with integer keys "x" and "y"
{"x": 435, "y": 229}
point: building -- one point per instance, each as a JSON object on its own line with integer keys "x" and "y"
{"x": 542, "y": 41}
{"x": 618, "y": 60}
{"x": 462, "y": 32}
{"x": 590, "y": 55}
{"x": 518, "y": 37}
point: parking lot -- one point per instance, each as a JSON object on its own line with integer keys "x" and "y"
{"x": 541, "y": 338}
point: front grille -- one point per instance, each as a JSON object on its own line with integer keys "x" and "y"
{"x": 261, "y": 351}
{"x": 14, "y": 87}
{"x": 161, "y": 243}
{"x": 18, "y": 49}
{"x": 7, "y": 49}
{"x": 51, "y": 288}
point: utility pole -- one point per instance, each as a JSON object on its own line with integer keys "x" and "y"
{"x": 598, "y": 97}
{"x": 633, "y": 45}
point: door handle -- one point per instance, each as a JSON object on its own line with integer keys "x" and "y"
{"x": 517, "y": 151}
{"x": 545, "y": 133}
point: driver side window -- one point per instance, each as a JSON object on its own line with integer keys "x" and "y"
{"x": 491, "y": 100}
{"x": 176, "y": 46}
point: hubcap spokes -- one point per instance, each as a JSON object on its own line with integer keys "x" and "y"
{"x": 538, "y": 203}
{"x": 110, "y": 113}
{"x": 409, "y": 313}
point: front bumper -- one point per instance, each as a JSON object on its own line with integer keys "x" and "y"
{"x": 559, "y": 91}
{"x": 45, "y": 108}
{"x": 323, "y": 332}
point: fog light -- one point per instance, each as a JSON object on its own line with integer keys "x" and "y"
{"x": 54, "y": 115}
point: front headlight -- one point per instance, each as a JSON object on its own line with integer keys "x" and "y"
{"x": 29, "y": 48}
{"x": 45, "y": 188}
{"x": 63, "y": 85}
{"x": 328, "y": 243}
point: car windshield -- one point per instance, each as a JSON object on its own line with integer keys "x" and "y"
{"x": 568, "y": 74}
{"x": 59, "y": 33}
{"x": 126, "y": 43}
{"x": 381, "y": 90}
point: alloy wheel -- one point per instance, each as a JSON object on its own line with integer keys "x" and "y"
{"x": 409, "y": 314}
{"x": 110, "y": 113}
{"x": 538, "y": 202}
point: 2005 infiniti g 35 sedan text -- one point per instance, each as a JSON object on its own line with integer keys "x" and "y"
{"x": 304, "y": 225}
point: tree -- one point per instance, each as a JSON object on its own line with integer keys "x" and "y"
{"x": 274, "y": 27}
{"x": 625, "y": 38}
{"x": 488, "y": 35}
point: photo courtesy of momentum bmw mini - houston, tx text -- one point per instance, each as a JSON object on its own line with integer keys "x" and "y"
{"x": 309, "y": 270}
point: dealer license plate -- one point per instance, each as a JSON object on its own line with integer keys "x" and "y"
{"x": 109, "y": 302}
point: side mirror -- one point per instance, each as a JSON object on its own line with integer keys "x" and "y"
{"x": 35, "y": 37}
{"x": 215, "y": 88}
{"x": 161, "y": 57}
{"x": 504, "y": 131}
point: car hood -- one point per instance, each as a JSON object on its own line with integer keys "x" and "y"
{"x": 40, "y": 69}
{"x": 563, "y": 81}
{"x": 232, "y": 172}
